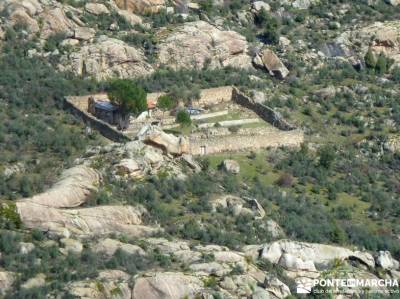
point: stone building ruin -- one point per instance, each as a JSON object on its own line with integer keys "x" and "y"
{"x": 264, "y": 127}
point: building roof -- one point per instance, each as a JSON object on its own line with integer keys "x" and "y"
{"x": 108, "y": 106}
{"x": 105, "y": 105}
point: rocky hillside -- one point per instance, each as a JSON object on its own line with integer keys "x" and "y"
{"x": 131, "y": 256}
{"x": 107, "y": 38}
{"x": 81, "y": 217}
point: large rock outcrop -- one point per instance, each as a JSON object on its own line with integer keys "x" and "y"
{"x": 385, "y": 260}
{"x": 196, "y": 44}
{"x": 107, "y": 58}
{"x": 393, "y": 2}
{"x": 268, "y": 59}
{"x": 72, "y": 189}
{"x": 84, "y": 222}
{"x": 380, "y": 37}
{"x": 49, "y": 211}
{"x": 43, "y": 18}
{"x": 110, "y": 246}
{"x": 318, "y": 254}
{"x": 141, "y": 6}
{"x": 386, "y": 39}
{"x": 231, "y": 166}
{"x": 166, "y": 285}
{"x": 234, "y": 273}
{"x": 6, "y": 281}
{"x": 108, "y": 284}
{"x": 56, "y": 21}
{"x": 305, "y": 262}
{"x": 96, "y": 8}
{"x": 22, "y": 12}
{"x": 231, "y": 271}
{"x": 167, "y": 142}
{"x": 237, "y": 206}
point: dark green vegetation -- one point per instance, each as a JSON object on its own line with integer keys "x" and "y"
{"x": 34, "y": 131}
{"x": 166, "y": 103}
{"x": 184, "y": 207}
{"x": 183, "y": 118}
{"x": 61, "y": 269}
{"x": 312, "y": 195}
{"x": 186, "y": 83}
{"x": 129, "y": 97}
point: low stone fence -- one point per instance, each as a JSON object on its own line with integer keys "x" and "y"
{"x": 214, "y": 96}
{"x": 266, "y": 113}
{"x": 208, "y": 97}
{"x": 235, "y": 142}
{"x": 232, "y": 123}
{"x": 209, "y": 115}
{"x": 77, "y": 107}
{"x": 224, "y": 131}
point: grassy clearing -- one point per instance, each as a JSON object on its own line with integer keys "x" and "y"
{"x": 252, "y": 165}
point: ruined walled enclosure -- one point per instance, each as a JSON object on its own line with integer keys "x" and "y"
{"x": 229, "y": 121}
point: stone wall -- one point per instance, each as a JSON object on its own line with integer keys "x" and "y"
{"x": 214, "y": 96}
{"x": 232, "y": 123}
{"x": 224, "y": 131}
{"x": 78, "y": 106}
{"x": 209, "y": 115}
{"x": 208, "y": 97}
{"x": 235, "y": 142}
{"x": 266, "y": 113}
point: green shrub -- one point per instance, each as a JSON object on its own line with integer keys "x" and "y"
{"x": 9, "y": 217}
{"x": 183, "y": 118}
{"x": 34, "y": 128}
{"x": 326, "y": 156}
{"x": 382, "y": 64}
{"x": 53, "y": 42}
{"x": 285, "y": 180}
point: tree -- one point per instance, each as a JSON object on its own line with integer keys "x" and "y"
{"x": 370, "y": 60}
{"x": 185, "y": 93}
{"x": 129, "y": 97}
{"x": 381, "y": 64}
{"x": 261, "y": 18}
{"x": 183, "y": 118}
{"x": 326, "y": 156}
{"x": 270, "y": 24}
{"x": 207, "y": 6}
{"x": 285, "y": 180}
{"x": 166, "y": 103}
{"x": 395, "y": 75}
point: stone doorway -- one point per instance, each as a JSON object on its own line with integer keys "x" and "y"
{"x": 203, "y": 150}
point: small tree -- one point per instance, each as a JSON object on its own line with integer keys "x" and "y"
{"x": 261, "y": 18}
{"x": 207, "y": 6}
{"x": 166, "y": 103}
{"x": 271, "y": 27}
{"x": 129, "y": 97}
{"x": 326, "y": 156}
{"x": 382, "y": 64}
{"x": 285, "y": 180}
{"x": 183, "y": 118}
{"x": 193, "y": 94}
{"x": 396, "y": 74}
{"x": 370, "y": 60}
